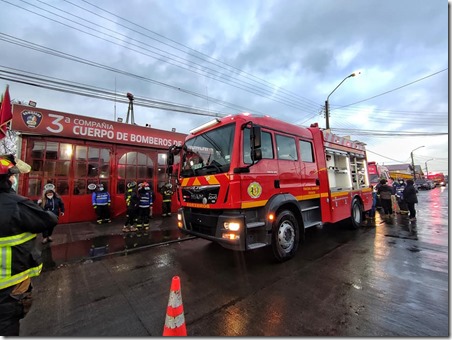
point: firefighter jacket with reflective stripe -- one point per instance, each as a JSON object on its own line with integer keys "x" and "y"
{"x": 101, "y": 198}
{"x": 145, "y": 198}
{"x": 166, "y": 194}
{"x": 131, "y": 199}
{"x": 20, "y": 220}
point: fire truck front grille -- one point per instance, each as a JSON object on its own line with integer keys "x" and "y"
{"x": 203, "y": 223}
{"x": 201, "y": 194}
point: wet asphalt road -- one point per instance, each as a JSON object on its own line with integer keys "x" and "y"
{"x": 389, "y": 278}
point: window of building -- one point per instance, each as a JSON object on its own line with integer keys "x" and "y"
{"x": 92, "y": 165}
{"x": 162, "y": 170}
{"x": 134, "y": 166}
{"x": 50, "y": 162}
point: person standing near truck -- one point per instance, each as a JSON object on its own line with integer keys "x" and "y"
{"x": 385, "y": 192}
{"x": 101, "y": 203}
{"x": 145, "y": 199}
{"x": 410, "y": 197}
{"x": 21, "y": 219}
{"x": 132, "y": 202}
{"x": 167, "y": 192}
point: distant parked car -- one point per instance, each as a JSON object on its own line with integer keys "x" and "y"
{"x": 424, "y": 184}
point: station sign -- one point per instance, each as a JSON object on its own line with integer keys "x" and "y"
{"x": 37, "y": 121}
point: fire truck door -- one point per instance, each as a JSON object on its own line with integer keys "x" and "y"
{"x": 288, "y": 164}
{"x": 309, "y": 172}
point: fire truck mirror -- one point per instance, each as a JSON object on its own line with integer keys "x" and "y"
{"x": 169, "y": 170}
{"x": 169, "y": 159}
{"x": 256, "y": 155}
{"x": 255, "y": 137}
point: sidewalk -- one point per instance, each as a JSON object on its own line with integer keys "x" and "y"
{"x": 88, "y": 241}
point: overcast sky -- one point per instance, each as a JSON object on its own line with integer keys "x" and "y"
{"x": 282, "y": 58}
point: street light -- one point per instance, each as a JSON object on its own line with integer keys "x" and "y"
{"x": 426, "y": 169}
{"x": 326, "y": 101}
{"x": 412, "y": 161}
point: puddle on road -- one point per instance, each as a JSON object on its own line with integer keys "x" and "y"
{"x": 56, "y": 255}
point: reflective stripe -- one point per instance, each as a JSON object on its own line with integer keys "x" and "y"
{"x": 13, "y": 280}
{"x": 174, "y": 322}
{"x": 11, "y": 241}
{"x": 6, "y": 255}
{"x": 5, "y": 261}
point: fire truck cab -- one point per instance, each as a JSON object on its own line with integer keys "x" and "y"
{"x": 249, "y": 181}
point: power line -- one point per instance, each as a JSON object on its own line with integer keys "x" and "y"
{"x": 170, "y": 59}
{"x": 187, "y": 47}
{"x": 99, "y": 93}
{"x": 397, "y": 88}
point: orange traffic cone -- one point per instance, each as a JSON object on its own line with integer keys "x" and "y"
{"x": 175, "y": 320}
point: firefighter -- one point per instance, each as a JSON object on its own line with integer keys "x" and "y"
{"x": 145, "y": 197}
{"x": 20, "y": 220}
{"x": 132, "y": 202}
{"x": 167, "y": 192}
{"x": 101, "y": 203}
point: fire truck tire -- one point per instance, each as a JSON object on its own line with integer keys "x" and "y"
{"x": 356, "y": 217}
{"x": 285, "y": 236}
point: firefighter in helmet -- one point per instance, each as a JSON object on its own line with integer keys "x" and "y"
{"x": 144, "y": 207}
{"x": 167, "y": 192}
{"x": 132, "y": 201}
{"x": 20, "y": 220}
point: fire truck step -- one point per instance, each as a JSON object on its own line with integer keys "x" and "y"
{"x": 256, "y": 245}
{"x": 310, "y": 208}
{"x": 255, "y": 225}
{"x": 312, "y": 224}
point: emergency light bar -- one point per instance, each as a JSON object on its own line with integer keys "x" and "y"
{"x": 205, "y": 126}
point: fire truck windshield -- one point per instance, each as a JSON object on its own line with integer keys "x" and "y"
{"x": 208, "y": 153}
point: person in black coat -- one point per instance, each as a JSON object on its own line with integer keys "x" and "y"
{"x": 20, "y": 220}
{"x": 385, "y": 192}
{"x": 51, "y": 201}
{"x": 410, "y": 197}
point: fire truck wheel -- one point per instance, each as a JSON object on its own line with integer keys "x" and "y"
{"x": 285, "y": 236}
{"x": 356, "y": 217}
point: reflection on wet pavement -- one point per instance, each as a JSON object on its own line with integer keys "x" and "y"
{"x": 56, "y": 255}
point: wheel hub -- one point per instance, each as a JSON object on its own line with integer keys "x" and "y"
{"x": 286, "y": 236}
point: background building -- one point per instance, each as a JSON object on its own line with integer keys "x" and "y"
{"x": 404, "y": 171}
{"x": 72, "y": 151}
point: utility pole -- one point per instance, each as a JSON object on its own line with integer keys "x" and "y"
{"x": 327, "y": 115}
{"x": 412, "y": 162}
{"x": 426, "y": 168}
{"x": 412, "y": 165}
{"x": 327, "y": 109}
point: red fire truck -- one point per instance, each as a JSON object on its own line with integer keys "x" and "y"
{"x": 378, "y": 172}
{"x": 249, "y": 181}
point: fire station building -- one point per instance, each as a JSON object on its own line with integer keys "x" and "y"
{"x": 72, "y": 151}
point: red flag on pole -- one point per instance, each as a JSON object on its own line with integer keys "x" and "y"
{"x": 6, "y": 113}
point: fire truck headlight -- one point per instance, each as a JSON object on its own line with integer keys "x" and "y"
{"x": 232, "y": 226}
{"x": 179, "y": 220}
{"x": 230, "y": 236}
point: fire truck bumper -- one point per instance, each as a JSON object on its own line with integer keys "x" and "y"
{"x": 226, "y": 230}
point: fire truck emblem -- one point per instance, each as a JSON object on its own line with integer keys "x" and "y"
{"x": 254, "y": 190}
{"x": 32, "y": 119}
